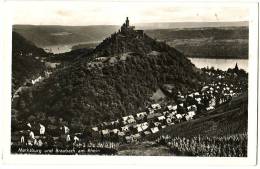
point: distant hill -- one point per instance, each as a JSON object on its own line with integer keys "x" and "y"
{"x": 48, "y": 35}
{"x": 182, "y": 25}
{"x": 25, "y": 65}
{"x": 210, "y": 42}
{"x": 117, "y": 78}
{"x": 194, "y": 39}
{"x": 220, "y": 42}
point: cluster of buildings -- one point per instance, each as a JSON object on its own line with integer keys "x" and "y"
{"x": 35, "y": 135}
{"x": 221, "y": 89}
{"x": 29, "y": 137}
{"x": 133, "y": 127}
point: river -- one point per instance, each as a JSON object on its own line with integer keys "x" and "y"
{"x": 222, "y": 64}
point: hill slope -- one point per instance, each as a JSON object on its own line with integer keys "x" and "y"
{"x": 117, "y": 78}
{"x": 231, "y": 42}
{"x": 47, "y": 35}
{"x": 24, "y": 62}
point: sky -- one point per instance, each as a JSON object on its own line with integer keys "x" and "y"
{"x": 114, "y": 13}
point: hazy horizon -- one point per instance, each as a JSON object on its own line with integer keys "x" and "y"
{"x": 134, "y": 23}
{"x": 113, "y": 13}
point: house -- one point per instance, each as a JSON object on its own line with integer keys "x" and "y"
{"x": 172, "y": 107}
{"x": 154, "y": 130}
{"x": 178, "y": 116}
{"x": 174, "y": 112}
{"x": 68, "y": 138}
{"x": 168, "y": 120}
{"x": 42, "y": 129}
{"x": 31, "y": 135}
{"x": 55, "y": 138}
{"x": 151, "y": 116}
{"x": 204, "y": 88}
{"x": 189, "y": 108}
{"x": 115, "y": 122}
{"x": 194, "y": 107}
{"x": 147, "y": 133}
{"x": 65, "y": 129}
{"x": 105, "y": 132}
{"x": 76, "y": 140}
{"x": 22, "y": 139}
{"x": 210, "y": 108}
{"x": 156, "y": 106}
{"x": 129, "y": 121}
{"x": 101, "y": 59}
{"x": 212, "y": 102}
{"x": 95, "y": 129}
{"x": 198, "y": 100}
{"x": 127, "y": 117}
{"x": 125, "y": 128}
{"x": 164, "y": 126}
{"x": 191, "y": 113}
{"x": 160, "y": 118}
{"x": 165, "y": 113}
{"x": 121, "y": 133}
{"x": 106, "y": 123}
{"x": 151, "y": 111}
{"x": 40, "y": 143}
{"x": 191, "y": 95}
{"x": 136, "y": 136}
{"x": 181, "y": 96}
{"x": 115, "y": 131}
{"x": 171, "y": 115}
{"x": 139, "y": 128}
{"x": 141, "y": 115}
{"x": 144, "y": 126}
{"x": 37, "y": 80}
{"x": 29, "y": 125}
{"x": 157, "y": 124}
{"x": 129, "y": 139}
{"x": 36, "y": 137}
{"x": 196, "y": 94}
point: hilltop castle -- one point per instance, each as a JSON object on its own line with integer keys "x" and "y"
{"x": 121, "y": 41}
{"x": 126, "y": 29}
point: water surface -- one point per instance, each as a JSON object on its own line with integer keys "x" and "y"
{"x": 222, "y": 64}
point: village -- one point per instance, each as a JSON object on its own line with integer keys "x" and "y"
{"x": 223, "y": 86}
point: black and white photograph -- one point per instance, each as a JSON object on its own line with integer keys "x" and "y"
{"x": 132, "y": 79}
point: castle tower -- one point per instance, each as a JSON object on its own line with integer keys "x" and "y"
{"x": 127, "y": 22}
{"x": 236, "y": 67}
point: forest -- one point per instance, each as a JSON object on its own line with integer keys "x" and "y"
{"x": 84, "y": 93}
